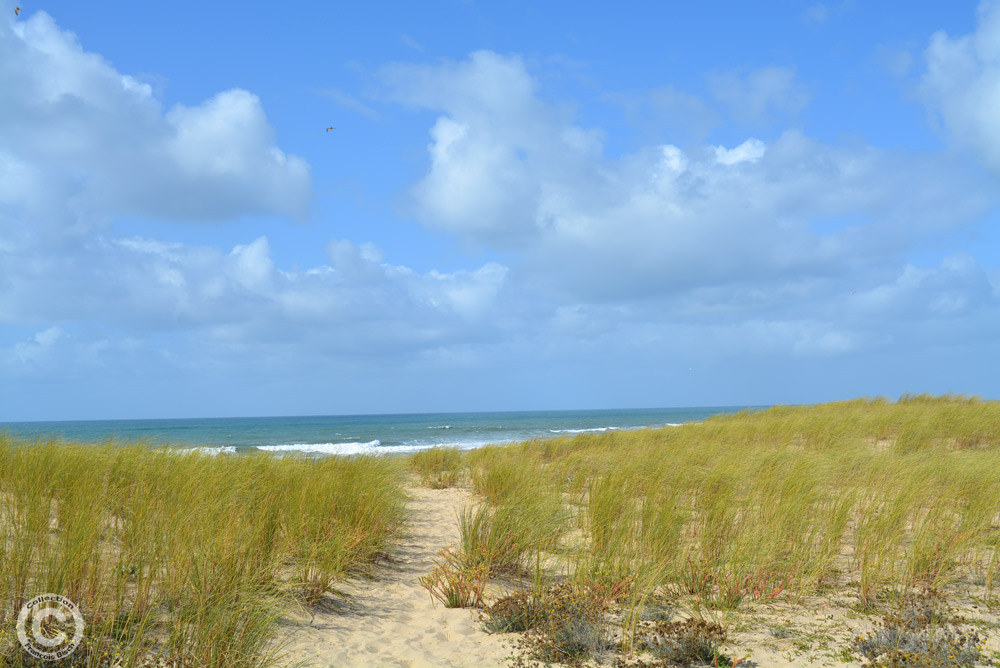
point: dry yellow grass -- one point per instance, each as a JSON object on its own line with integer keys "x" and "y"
{"x": 183, "y": 556}
{"x": 876, "y": 496}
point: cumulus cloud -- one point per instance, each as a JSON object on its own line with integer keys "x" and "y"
{"x": 962, "y": 84}
{"x": 509, "y": 172}
{"x": 749, "y": 151}
{"x": 84, "y": 144}
{"x": 779, "y": 248}
{"x": 493, "y": 119}
{"x": 83, "y": 138}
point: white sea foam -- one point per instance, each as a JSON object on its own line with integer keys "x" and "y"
{"x": 464, "y": 445}
{"x": 580, "y": 431}
{"x": 444, "y": 426}
{"x": 371, "y": 447}
{"x": 205, "y": 450}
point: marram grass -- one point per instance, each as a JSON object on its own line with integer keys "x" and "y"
{"x": 190, "y": 559}
{"x": 903, "y": 493}
{"x": 183, "y": 557}
{"x": 877, "y": 496}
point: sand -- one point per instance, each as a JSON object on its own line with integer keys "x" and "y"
{"x": 391, "y": 620}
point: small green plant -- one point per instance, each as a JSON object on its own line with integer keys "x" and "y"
{"x": 456, "y": 583}
{"x": 919, "y": 632}
{"x": 687, "y": 643}
{"x": 514, "y": 613}
{"x": 919, "y": 610}
{"x": 780, "y": 631}
{"x": 566, "y": 625}
{"x": 897, "y": 647}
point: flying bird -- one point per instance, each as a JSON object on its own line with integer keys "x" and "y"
{"x": 329, "y": 128}
{"x": 17, "y": 11}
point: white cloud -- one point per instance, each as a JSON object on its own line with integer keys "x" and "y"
{"x": 356, "y": 303}
{"x": 83, "y": 144}
{"x": 251, "y": 267}
{"x": 493, "y": 119}
{"x": 957, "y": 287}
{"x": 87, "y": 140}
{"x": 504, "y": 174}
{"x": 962, "y": 84}
{"x": 751, "y": 150}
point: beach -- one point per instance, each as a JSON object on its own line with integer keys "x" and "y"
{"x": 503, "y": 334}
{"x": 855, "y": 533}
{"x": 391, "y": 621}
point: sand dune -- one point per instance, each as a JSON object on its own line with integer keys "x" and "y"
{"x": 391, "y": 620}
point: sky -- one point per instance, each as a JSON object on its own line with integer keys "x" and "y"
{"x": 520, "y": 205}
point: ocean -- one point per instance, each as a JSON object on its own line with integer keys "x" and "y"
{"x": 360, "y": 434}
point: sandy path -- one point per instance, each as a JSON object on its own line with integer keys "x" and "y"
{"x": 391, "y": 621}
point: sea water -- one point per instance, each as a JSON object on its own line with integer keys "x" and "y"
{"x": 360, "y": 434}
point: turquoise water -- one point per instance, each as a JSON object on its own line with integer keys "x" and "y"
{"x": 355, "y": 434}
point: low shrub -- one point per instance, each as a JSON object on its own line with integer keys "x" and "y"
{"x": 919, "y": 632}
{"x": 562, "y": 624}
{"x": 889, "y": 646}
{"x": 571, "y": 627}
{"x": 687, "y": 643}
{"x": 514, "y": 613}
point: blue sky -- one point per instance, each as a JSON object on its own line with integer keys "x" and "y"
{"x": 520, "y": 207}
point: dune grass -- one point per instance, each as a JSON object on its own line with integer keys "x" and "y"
{"x": 880, "y": 496}
{"x": 190, "y": 559}
{"x": 180, "y": 556}
{"x": 438, "y": 467}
